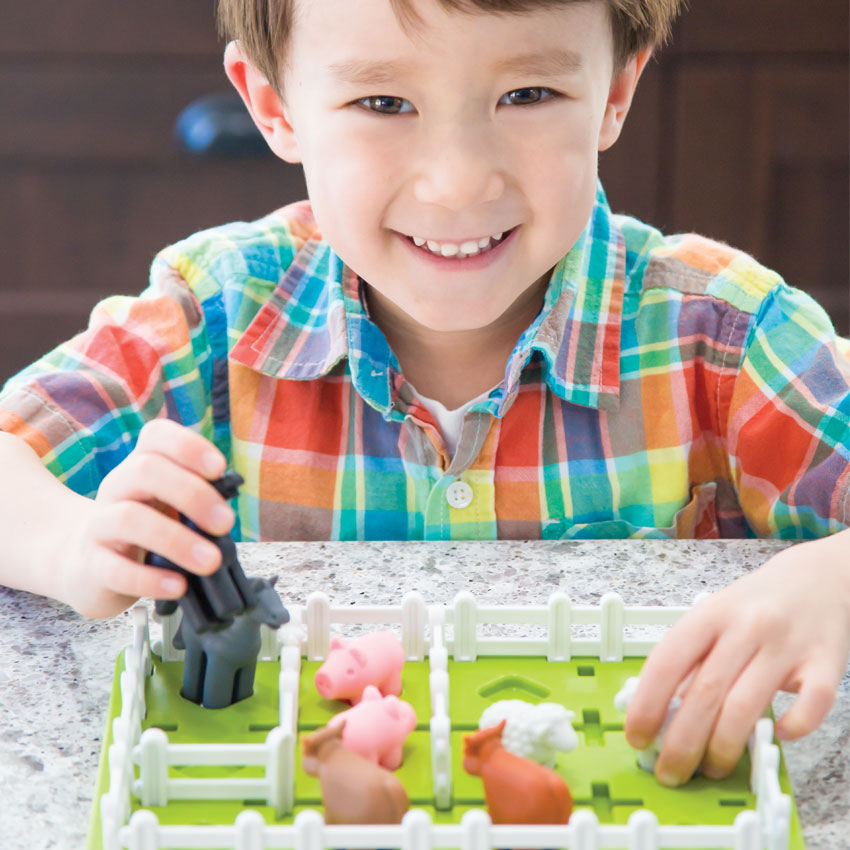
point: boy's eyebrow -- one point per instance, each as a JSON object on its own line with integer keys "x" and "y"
{"x": 366, "y": 72}
{"x": 551, "y": 63}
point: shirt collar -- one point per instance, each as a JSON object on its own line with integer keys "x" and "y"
{"x": 315, "y": 317}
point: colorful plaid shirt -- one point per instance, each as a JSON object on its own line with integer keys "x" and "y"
{"x": 669, "y": 387}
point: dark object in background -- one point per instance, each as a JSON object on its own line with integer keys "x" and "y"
{"x": 219, "y": 125}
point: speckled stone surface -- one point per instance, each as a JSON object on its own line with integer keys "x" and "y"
{"x": 56, "y": 668}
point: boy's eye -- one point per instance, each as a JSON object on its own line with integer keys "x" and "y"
{"x": 527, "y": 96}
{"x": 385, "y": 104}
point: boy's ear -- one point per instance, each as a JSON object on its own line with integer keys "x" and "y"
{"x": 620, "y": 96}
{"x": 263, "y": 103}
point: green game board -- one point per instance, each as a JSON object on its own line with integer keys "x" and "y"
{"x": 601, "y": 772}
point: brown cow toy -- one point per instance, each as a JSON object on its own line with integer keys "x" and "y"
{"x": 354, "y": 789}
{"x": 517, "y": 790}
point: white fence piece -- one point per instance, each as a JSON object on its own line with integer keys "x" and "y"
{"x": 440, "y": 723}
{"x": 318, "y": 622}
{"x": 560, "y": 627}
{"x": 611, "y": 628}
{"x": 465, "y": 627}
{"x": 414, "y": 616}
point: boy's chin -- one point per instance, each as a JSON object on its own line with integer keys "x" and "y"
{"x": 455, "y": 320}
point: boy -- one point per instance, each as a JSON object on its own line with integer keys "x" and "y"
{"x": 457, "y": 255}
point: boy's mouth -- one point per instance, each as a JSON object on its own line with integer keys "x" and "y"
{"x": 460, "y": 250}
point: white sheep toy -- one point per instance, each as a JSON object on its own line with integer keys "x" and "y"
{"x": 647, "y": 757}
{"x": 535, "y": 732}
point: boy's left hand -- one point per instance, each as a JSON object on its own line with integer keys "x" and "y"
{"x": 785, "y": 626}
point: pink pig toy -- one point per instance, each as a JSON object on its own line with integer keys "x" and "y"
{"x": 374, "y": 659}
{"x": 376, "y": 727}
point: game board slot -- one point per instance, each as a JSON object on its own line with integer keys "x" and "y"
{"x": 513, "y": 687}
{"x": 603, "y": 802}
{"x": 593, "y": 728}
{"x": 736, "y": 803}
{"x": 167, "y": 727}
{"x": 261, "y": 727}
{"x": 586, "y": 670}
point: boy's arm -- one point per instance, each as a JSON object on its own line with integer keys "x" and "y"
{"x": 785, "y": 626}
{"x": 88, "y": 553}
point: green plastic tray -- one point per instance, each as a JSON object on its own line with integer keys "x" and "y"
{"x": 601, "y": 772}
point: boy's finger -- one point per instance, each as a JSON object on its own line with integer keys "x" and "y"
{"x": 140, "y": 525}
{"x": 814, "y": 700}
{"x": 669, "y": 664}
{"x": 181, "y": 444}
{"x": 688, "y": 734}
{"x": 129, "y": 578}
{"x": 150, "y": 477}
{"x": 744, "y": 704}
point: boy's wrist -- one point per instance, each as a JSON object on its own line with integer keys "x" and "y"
{"x": 830, "y": 556}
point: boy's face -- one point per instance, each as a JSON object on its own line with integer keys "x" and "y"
{"x": 454, "y": 131}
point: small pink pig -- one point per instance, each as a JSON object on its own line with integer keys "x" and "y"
{"x": 374, "y": 659}
{"x": 376, "y": 727}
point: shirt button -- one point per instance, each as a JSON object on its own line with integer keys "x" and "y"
{"x": 459, "y": 494}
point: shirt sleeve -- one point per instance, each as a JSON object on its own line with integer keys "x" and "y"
{"x": 82, "y": 405}
{"x": 788, "y": 418}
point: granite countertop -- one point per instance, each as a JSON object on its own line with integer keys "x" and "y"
{"x": 56, "y": 668}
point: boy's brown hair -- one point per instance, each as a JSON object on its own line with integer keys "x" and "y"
{"x": 263, "y": 27}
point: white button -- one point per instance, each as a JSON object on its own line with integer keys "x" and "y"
{"x": 459, "y": 494}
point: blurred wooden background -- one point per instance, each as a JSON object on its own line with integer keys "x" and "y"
{"x": 739, "y": 131}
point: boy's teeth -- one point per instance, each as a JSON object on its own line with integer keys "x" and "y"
{"x": 453, "y": 249}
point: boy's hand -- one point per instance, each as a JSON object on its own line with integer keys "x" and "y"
{"x": 102, "y": 571}
{"x": 785, "y": 626}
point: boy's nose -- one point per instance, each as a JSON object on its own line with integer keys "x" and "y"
{"x": 458, "y": 171}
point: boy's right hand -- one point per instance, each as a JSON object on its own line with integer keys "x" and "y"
{"x": 102, "y": 570}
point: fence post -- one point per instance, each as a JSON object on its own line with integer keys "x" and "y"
{"x": 416, "y": 830}
{"x": 761, "y": 738}
{"x": 153, "y": 767}
{"x": 475, "y": 829}
{"x": 465, "y": 621}
{"x": 142, "y": 638}
{"x": 170, "y": 623}
{"x": 748, "y": 832}
{"x": 280, "y": 770}
{"x": 441, "y": 760}
{"x": 318, "y": 622}
{"x": 413, "y": 614}
{"x": 269, "y": 646}
{"x": 309, "y": 830}
{"x": 643, "y": 830}
{"x": 249, "y": 826}
{"x": 560, "y": 625}
{"x": 110, "y": 820}
{"x": 288, "y": 683}
{"x": 611, "y": 628}
{"x": 144, "y": 826}
{"x": 120, "y": 780}
{"x": 585, "y": 827}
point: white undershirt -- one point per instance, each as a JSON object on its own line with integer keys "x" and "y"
{"x": 450, "y": 421}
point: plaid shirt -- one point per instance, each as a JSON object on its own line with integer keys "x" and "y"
{"x": 669, "y": 387}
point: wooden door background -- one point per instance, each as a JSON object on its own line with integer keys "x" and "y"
{"x": 739, "y": 130}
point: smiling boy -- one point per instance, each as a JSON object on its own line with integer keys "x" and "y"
{"x": 455, "y": 338}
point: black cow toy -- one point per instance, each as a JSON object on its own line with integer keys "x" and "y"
{"x": 226, "y": 602}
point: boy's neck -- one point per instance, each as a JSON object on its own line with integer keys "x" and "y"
{"x": 453, "y": 367}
